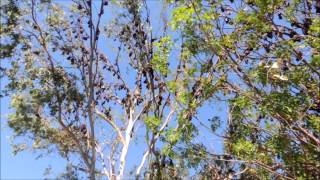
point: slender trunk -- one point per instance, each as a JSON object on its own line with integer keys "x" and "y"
{"x": 91, "y": 98}
{"x": 125, "y": 147}
{"x": 144, "y": 158}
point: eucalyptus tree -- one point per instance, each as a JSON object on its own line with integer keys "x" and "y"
{"x": 75, "y": 95}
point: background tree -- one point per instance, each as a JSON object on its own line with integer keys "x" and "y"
{"x": 265, "y": 55}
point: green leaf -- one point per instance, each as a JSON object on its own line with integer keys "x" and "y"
{"x": 152, "y": 123}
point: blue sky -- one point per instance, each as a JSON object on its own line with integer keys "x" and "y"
{"x": 25, "y": 166}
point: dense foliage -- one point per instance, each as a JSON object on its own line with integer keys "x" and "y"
{"x": 89, "y": 78}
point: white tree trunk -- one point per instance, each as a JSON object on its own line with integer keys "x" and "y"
{"x": 125, "y": 147}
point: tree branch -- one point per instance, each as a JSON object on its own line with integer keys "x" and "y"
{"x": 114, "y": 126}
